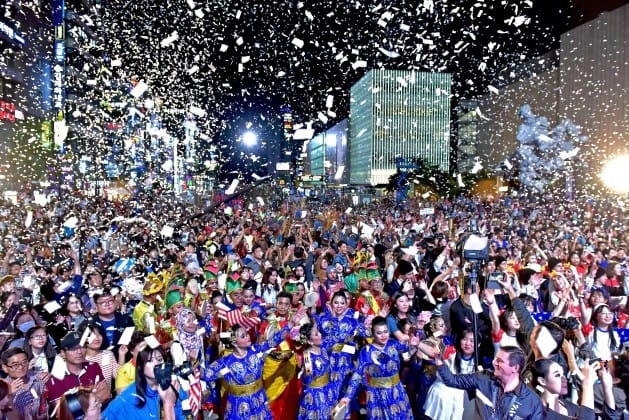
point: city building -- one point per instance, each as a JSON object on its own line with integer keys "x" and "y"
{"x": 535, "y": 83}
{"x": 397, "y": 113}
{"x": 585, "y": 80}
{"x": 466, "y": 125}
{"x": 327, "y": 153}
{"x": 25, "y": 91}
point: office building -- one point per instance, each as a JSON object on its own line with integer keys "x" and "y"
{"x": 584, "y": 80}
{"x": 397, "y": 113}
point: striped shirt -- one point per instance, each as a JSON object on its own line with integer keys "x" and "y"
{"x": 107, "y": 362}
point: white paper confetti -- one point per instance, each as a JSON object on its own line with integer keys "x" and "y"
{"x": 169, "y": 40}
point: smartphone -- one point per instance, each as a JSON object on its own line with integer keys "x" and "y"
{"x": 492, "y": 281}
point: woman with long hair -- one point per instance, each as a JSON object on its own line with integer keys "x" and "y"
{"x": 270, "y": 287}
{"x": 39, "y": 350}
{"x": 400, "y": 309}
{"x": 73, "y": 311}
{"x": 446, "y": 403}
{"x": 552, "y": 384}
{"x": 146, "y": 398}
{"x": 603, "y": 338}
{"x": 96, "y": 350}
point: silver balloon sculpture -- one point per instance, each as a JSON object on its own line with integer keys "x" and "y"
{"x": 545, "y": 154}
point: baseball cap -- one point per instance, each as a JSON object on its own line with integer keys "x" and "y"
{"x": 70, "y": 341}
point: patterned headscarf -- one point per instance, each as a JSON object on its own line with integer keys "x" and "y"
{"x": 190, "y": 341}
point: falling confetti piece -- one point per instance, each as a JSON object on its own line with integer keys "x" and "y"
{"x": 170, "y": 40}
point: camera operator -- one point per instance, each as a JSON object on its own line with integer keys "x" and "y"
{"x": 152, "y": 395}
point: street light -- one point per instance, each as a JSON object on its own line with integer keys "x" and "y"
{"x": 249, "y": 138}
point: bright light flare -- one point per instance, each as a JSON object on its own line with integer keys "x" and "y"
{"x": 249, "y": 138}
{"x": 615, "y": 174}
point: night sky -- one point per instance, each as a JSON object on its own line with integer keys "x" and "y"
{"x": 241, "y": 60}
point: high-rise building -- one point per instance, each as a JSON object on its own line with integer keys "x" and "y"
{"x": 25, "y": 93}
{"x": 327, "y": 155}
{"x": 398, "y": 113}
{"x": 584, "y": 80}
{"x": 467, "y": 120}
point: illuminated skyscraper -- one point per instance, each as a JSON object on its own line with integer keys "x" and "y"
{"x": 398, "y": 113}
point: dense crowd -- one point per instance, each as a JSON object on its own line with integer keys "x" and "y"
{"x": 498, "y": 307}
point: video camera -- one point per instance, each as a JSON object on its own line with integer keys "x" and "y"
{"x": 163, "y": 373}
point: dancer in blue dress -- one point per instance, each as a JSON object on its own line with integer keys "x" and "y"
{"x": 242, "y": 372}
{"x": 338, "y": 328}
{"x": 317, "y": 398}
{"x": 379, "y": 371}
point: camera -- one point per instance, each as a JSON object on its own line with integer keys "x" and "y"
{"x": 185, "y": 370}
{"x": 163, "y": 375}
{"x": 572, "y": 323}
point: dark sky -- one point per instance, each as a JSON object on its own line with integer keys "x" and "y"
{"x": 236, "y": 57}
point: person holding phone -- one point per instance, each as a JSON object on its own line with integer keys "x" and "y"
{"x": 550, "y": 381}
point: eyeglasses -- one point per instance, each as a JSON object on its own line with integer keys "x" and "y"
{"x": 38, "y": 336}
{"x": 106, "y": 302}
{"x": 17, "y": 365}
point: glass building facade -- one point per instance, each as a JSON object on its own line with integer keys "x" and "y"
{"x": 398, "y": 113}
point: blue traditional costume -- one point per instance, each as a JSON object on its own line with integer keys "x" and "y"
{"x": 246, "y": 397}
{"x": 317, "y": 398}
{"x": 338, "y": 336}
{"x": 379, "y": 371}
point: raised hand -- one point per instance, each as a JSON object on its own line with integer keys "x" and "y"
{"x": 384, "y": 311}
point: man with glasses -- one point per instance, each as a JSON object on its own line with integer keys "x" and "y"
{"x": 77, "y": 373}
{"x": 113, "y": 322}
{"x": 21, "y": 381}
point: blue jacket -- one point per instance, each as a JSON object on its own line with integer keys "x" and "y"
{"x": 520, "y": 404}
{"x": 124, "y": 406}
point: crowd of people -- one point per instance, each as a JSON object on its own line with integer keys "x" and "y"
{"x": 510, "y": 307}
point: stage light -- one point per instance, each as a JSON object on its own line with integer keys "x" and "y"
{"x": 615, "y": 174}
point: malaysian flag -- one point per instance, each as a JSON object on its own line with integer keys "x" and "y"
{"x": 235, "y": 316}
{"x": 196, "y": 391}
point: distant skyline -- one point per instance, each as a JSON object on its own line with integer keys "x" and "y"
{"x": 227, "y": 55}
